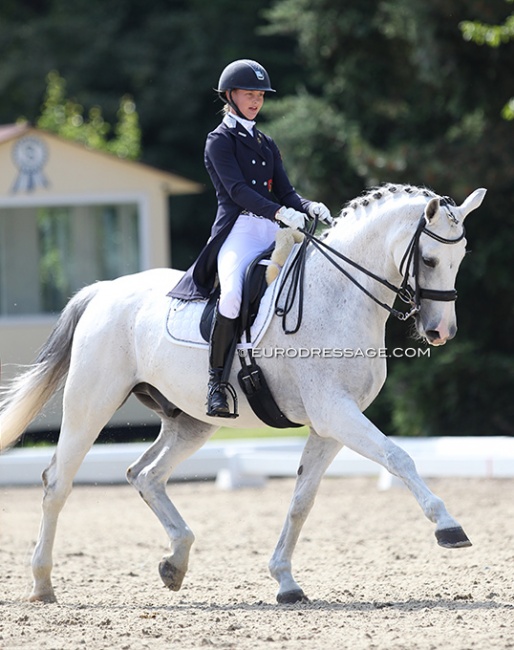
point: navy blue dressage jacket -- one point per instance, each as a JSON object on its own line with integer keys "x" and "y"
{"x": 247, "y": 174}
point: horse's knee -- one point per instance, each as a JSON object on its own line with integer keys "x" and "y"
{"x": 398, "y": 461}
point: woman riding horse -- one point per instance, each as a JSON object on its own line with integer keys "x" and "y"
{"x": 254, "y": 194}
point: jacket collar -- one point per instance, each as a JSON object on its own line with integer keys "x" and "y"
{"x": 239, "y": 131}
{"x": 233, "y": 121}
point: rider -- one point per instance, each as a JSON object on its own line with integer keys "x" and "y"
{"x": 254, "y": 194}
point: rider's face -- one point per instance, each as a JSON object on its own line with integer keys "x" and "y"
{"x": 249, "y": 102}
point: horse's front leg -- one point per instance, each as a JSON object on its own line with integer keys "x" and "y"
{"x": 351, "y": 428}
{"x": 178, "y": 439}
{"x": 316, "y": 457}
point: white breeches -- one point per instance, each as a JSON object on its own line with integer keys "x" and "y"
{"x": 249, "y": 237}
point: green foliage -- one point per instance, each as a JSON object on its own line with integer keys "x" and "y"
{"x": 484, "y": 34}
{"x": 66, "y": 118}
{"x": 318, "y": 141}
{"x": 236, "y": 434}
{"x": 493, "y": 36}
{"x": 459, "y": 390}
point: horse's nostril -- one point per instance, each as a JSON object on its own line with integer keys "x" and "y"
{"x": 432, "y": 335}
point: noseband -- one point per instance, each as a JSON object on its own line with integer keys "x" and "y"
{"x": 411, "y": 295}
{"x": 414, "y": 296}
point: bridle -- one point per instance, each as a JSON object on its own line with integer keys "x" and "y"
{"x": 410, "y": 295}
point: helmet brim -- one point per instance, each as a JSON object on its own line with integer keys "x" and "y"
{"x": 225, "y": 90}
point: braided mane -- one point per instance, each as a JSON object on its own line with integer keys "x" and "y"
{"x": 383, "y": 191}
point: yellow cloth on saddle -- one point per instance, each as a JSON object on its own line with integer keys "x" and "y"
{"x": 285, "y": 239}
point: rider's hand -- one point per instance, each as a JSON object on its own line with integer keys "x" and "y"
{"x": 290, "y": 217}
{"x": 321, "y": 211}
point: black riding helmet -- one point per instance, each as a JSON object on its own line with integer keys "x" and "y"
{"x": 243, "y": 74}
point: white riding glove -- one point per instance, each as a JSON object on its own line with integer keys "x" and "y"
{"x": 290, "y": 217}
{"x": 321, "y": 211}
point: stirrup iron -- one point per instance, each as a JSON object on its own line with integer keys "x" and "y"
{"x": 217, "y": 399}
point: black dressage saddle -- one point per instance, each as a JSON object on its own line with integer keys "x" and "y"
{"x": 254, "y": 287}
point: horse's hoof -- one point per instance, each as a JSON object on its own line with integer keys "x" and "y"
{"x": 291, "y": 597}
{"x": 452, "y": 538}
{"x": 48, "y": 597}
{"x": 170, "y": 575}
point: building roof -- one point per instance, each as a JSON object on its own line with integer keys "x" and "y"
{"x": 10, "y": 131}
{"x": 173, "y": 183}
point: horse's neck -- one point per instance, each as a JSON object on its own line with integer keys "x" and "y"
{"x": 370, "y": 236}
{"x": 368, "y": 240}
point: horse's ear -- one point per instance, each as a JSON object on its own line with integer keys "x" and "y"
{"x": 432, "y": 210}
{"x": 473, "y": 202}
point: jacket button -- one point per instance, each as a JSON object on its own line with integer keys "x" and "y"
{"x": 253, "y": 162}
{"x": 253, "y": 182}
{"x": 263, "y": 163}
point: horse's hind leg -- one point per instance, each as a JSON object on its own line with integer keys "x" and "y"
{"x": 57, "y": 482}
{"x": 80, "y": 427}
{"x": 316, "y": 457}
{"x": 177, "y": 440}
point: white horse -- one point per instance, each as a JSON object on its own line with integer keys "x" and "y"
{"x": 110, "y": 338}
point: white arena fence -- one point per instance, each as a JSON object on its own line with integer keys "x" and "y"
{"x": 249, "y": 463}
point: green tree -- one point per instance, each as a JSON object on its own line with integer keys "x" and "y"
{"x": 66, "y": 118}
{"x": 493, "y": 36}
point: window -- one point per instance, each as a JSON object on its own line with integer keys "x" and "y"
{"x": 49, "y": 253}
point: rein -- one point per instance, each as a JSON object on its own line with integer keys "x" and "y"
{"x": 410, "y": 296}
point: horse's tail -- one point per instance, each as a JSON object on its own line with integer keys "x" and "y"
{"x": 27, "y": 394}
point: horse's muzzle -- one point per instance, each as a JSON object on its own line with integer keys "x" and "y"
{"x": 440, "y": 335}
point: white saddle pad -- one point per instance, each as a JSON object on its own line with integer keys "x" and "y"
{"x": 183, "y": 320}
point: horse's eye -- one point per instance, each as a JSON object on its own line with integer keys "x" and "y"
{"x": 430, "y": 262}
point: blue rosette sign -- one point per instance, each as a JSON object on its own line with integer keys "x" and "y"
{"x": 29, "y": 155}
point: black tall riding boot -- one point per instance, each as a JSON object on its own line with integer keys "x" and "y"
{"x": 222, "y": 336}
